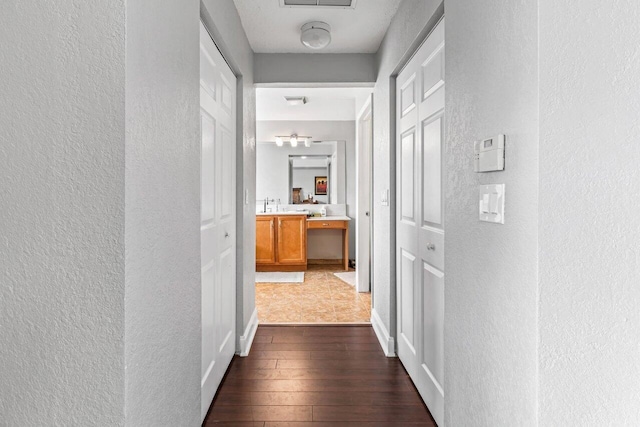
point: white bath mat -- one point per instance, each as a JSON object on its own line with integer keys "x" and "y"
{"x": 280, "y": 277}
{"x": 347, "y": 276}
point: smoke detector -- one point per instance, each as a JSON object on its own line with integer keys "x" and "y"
{"x": 315, "y": 35}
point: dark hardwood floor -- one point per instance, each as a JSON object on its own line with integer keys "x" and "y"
{"x": 317, "y": 376}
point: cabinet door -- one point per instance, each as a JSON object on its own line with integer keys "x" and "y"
{"x": 292, "y": 240}
{"x": 265, "y": 240}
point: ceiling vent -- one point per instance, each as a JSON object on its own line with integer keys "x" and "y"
{"x": 338, "y": 4}
{"x": 296, "y": 100}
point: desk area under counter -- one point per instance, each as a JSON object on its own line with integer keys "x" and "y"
{"x": 337, "y": 222}
{"x": 282, "y": 242}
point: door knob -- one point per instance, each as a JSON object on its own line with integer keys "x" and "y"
{"x": 226, "y": 234}
{"x": 367, "y": 213}
{"x": 431, "y": 247}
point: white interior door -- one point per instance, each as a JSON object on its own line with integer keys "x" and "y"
{"x": 218, "y": 225}
{"x": 364, "y": 142}
{"x": 420, "y": 227}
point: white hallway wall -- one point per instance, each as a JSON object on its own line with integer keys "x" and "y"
{"x": 491, "y": 286}
{"x": 329, "y": 130}
{"x": 62, "y": 151}
{"x": 102, "y": 254}
{"x": 162, "y": 214}
{"x": 589, "y": 354}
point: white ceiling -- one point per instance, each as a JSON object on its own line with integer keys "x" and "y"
{"x": 322, "y": 103}
{"x": 274, "y": 29}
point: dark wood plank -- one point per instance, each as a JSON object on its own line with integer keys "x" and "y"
{"x": 301, "y": 347}
{"x": 317, "y": 376}
{"x": 396, "y": 385}
{"x": 311, "y": 398}
{"x": 262, "y": 338}
{"x": 322, "y": 339}
{"x": 411, "y": 413}
{"x": 254, "y": 363}
{"x": 348, "y": 424}
{"x": 234, "y": 424}
{"x": 284, "y": 355}
{"x": 328, "y": 364}
{"x": 314, "y": 374}
{"x": 282, "y": 413}
{"x": 344, "y": 355}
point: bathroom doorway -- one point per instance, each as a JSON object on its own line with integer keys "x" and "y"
{"x": 307, "y": 187}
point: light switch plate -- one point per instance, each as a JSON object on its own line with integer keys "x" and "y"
{"x": 491, "y": 203}
{"x": 384, "y": 198}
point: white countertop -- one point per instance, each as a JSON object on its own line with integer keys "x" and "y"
{"x": 329, "y": 218}
{"x": 313, "y": 218}
{"x": 282, "y": 213}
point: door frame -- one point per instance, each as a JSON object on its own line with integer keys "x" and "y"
{"x": 366, "y": 112}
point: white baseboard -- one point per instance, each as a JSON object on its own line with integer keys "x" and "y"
{"x": 386, "y": 342}
{"x": 249, "y": 333}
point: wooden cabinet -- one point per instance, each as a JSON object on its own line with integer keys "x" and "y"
{"x": 265, "y": 240}
{"x": 281, "y": 242}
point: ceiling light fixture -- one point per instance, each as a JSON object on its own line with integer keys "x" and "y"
{"x": 294, "y": 140}
{"x": 315, "y": 35}
{"x": 279, "y": 141}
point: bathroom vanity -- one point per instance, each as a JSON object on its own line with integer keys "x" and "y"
{"x": 281, "y": 239}
{"x": 281, "y": 242}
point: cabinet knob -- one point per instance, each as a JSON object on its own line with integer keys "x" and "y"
{"x": 325, "y": 224}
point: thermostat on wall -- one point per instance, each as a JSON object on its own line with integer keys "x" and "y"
{"x": 489, "y": 154}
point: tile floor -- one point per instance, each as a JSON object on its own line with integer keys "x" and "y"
{"x": 322, "y": 298}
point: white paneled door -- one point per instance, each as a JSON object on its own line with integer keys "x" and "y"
{"x": 419, "y": 224}
{"x": 218, "y": 224}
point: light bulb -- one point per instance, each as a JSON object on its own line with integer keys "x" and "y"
{"x": 307, "y": 142}
{"x": 294, "y": 141}
{"x": 279, "y": 141}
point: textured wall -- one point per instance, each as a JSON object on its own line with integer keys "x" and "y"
{"x": 403, "y": 37}
{"x": 62, "y": 124}
{"x": 313, "y": 68}
{"x": 491, "y": 270}
{"x": 162, "y": 300}
{"x": 222, "y": 20}
{"x": 589, "y": 220}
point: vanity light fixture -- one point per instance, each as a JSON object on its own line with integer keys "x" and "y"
{"x": 293, "y": 140}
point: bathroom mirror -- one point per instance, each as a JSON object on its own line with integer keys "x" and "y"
{"x": 309, "y": 179}
{"x": 301, "y": 175}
